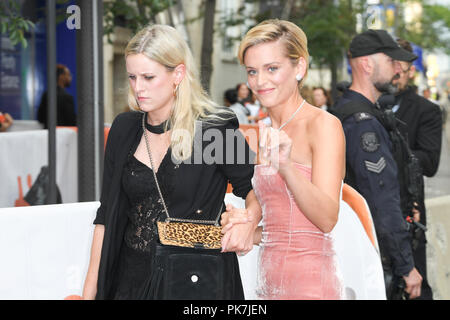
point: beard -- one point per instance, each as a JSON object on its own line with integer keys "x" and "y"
{"x": 387, "y": 86}
{"x": 401, "y": 87}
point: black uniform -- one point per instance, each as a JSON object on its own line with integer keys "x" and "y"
{"x": 424, "y": 128}
{"x": 373, "y": 170}
{"x": 65, "y": 109}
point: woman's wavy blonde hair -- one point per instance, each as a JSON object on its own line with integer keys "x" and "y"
{"x": 163, "y": 44}
{"x": 291, "y": 36}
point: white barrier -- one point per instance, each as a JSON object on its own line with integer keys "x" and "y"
{"x": 25, "y": 152}
{"x": 438, "y": 247}
{"x": 359, "y": 261}
{"x": 24, "y": 125}
{"x": 46, "y": 249}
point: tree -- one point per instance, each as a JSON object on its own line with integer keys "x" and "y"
{"x": 329, "y": 26}
{"x": 16, "y": 26}
{"x": 135, "y": 14}
{"x": 12, "y": 23}
{"x": 207, "y": 43}
{"x": 429, "y": 30}
{"x": 132, "y": 14}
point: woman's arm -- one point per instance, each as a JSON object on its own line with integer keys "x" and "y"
{"x": 257, "y": 236}
{"x": 90, "y": 284}
{"x": 239, "y": 237}
{"x": 318, "y": 199}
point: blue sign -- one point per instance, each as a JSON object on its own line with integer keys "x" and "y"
{"x": 23, "y": 71}
{"x": 418, "y": 63}
{"x": 10, "y": 78}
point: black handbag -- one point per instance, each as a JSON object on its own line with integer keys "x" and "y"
{"x": 190, "y": 274}
{"x": 191, "y": 268}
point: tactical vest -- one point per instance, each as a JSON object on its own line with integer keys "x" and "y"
{"x": 409, "y": 172}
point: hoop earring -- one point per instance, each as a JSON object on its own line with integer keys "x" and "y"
{"x": 298, "y": 77}
{"x": 175, "y": 90}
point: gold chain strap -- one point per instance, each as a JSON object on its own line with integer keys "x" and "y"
{"x": 168, "y": 219}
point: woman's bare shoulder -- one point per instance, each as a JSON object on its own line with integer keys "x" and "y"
{"x": 325, "y": 128}
{"x": 320, "y": 120}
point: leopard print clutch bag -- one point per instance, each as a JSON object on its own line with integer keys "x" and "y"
{"x": 188, "y": 234}
{"x": 184, "y": 232}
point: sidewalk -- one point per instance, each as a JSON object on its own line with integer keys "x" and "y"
{"x": 439, "y": 185}
{"x": 437, "y": 202}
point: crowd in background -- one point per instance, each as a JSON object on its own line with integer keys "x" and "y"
{"x": 243, "y": 102}
{"x": 248, "y": 110}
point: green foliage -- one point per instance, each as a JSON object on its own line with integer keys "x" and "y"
{"x": 329, "y": 26}
{"x": 12, "y": 23}
{"x": 132, "y": 14}
{"x": 430, "y": 30}
{"x": 15, "y": 26}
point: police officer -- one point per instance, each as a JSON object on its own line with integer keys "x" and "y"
{"x": 371, "y": 168}
{"x": 424, "y": 128}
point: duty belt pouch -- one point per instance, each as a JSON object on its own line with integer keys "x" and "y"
{"x": 190, "y": 274}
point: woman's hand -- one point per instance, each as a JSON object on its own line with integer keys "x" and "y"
{"x": 238, "y": 230}
{"x": 233, "y": 216}
{"x": 274, "y": 147}
{"x": 6, "y": 121}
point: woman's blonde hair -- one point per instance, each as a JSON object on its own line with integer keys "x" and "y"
{"x": 163, "y": 44}
{"x": 289, "y": 34}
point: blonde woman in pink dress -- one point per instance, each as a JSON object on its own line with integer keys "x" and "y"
{"x": 299, "y": 176}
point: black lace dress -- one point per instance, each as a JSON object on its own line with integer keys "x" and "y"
{"x": 137, "y": 254}
{"x": 193, "y": 189}
{"x": 140, "y": 274}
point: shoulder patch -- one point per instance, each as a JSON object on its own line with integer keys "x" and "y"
{"x": 376, "y": 167}
{"x": 361, "y": 116}
{"x": 370, "y": 141}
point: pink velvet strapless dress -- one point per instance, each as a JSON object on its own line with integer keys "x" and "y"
{"x": 296, "y": 260}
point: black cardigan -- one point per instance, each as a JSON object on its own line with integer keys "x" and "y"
{"x": 424, "y": 126}
{"x": 424, "y": 123}
{"x": 197, "y": 186}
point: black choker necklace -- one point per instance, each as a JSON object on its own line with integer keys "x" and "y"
{"x": 158, "y": 129}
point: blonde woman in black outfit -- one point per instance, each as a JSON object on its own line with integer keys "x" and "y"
{"x": 182, "y": 126}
